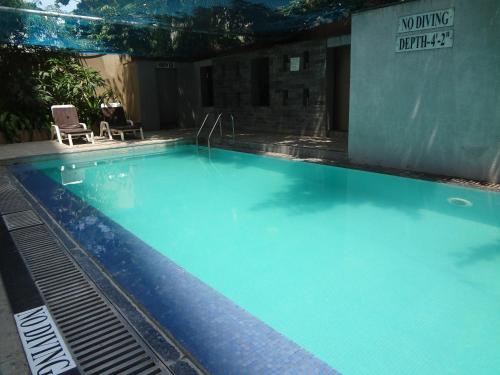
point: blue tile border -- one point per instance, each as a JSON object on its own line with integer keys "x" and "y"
{"x": 176, "y": 361}
{"x": 223, "y": 337}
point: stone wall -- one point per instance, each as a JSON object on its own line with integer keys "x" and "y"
{"x": 135, "y": 83}
{"x": 232, "y": 88}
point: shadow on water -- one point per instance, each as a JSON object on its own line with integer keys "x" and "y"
{"x": 306, "y": 188}
{"x": 325, "y": 189}
{"x": 311, "y": 188}
{"x": 485, "y": 253}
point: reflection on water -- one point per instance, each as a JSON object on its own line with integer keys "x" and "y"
{"x": 72, "y": 175}
{"x": 111, "y": 183}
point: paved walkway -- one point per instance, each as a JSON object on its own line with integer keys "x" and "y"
{"x": 336, "y": 143}
{"x": 12, "y": 151}
{"x": 314, "y": 149}
{"x": 12, "y": 359}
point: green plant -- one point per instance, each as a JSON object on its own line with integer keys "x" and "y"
{"x": 12, "y": 125}
{"x": 66, "y": 81}
{"x": 35, "y": 78}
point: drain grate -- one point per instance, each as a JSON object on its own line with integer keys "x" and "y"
{"x": 21, "y": 220}
{"x": 11, "y": 200}
{"x": 100, "y": 340}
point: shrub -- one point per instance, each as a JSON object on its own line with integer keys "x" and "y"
{"x": 66, "y": 81}
{"x": 33, "y": 79}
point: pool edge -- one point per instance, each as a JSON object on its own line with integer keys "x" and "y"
{"x": 287, "y": 345}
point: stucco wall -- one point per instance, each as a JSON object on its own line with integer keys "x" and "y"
{"x": 120, "y": 73}
{"x": 188, "y": 88}
{"x": 435, "y": 111}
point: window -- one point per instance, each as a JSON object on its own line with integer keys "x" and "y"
{"x": 305, "y": 58}
{"x": 238, "y": 99}
{"x": 207, "y": 86}
{"x": 223, "y": 70}
{"x": 260, "y": 81}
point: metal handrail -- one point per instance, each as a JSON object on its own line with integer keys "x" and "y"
{"x": 232, "y": 123}
{"x": 218, "y": 120}
{"x": 201, "y": 127}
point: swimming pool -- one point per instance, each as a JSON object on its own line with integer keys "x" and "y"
{"x": 371, "y": 273}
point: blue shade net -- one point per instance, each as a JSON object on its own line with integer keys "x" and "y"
{"x": 179, "y": 29}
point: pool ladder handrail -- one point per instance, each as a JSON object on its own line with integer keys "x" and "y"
{"x": 201, "y": 127}
{"x": 218, "y": 121}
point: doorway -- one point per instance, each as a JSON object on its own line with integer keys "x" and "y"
{"x": 338, "y": 78}
{"x": 168, "y": 96}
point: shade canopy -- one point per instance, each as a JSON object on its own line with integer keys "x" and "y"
{"x": 178, "y": 29}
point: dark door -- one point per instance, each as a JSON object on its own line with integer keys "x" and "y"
{"x": 339, "y": 69}
{"x": 260, "y": 81}
{"x": 167, "y": 97}
{"x": 207, "y": 86}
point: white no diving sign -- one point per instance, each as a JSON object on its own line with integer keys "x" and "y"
{"x": 416, "y": 23}
{"x": 45, "y": 349}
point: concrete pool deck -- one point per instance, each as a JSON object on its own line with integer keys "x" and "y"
{"x": 16, "y": 151}
{"x": 334, "y": 149}
{"x": 12, "y": 359}
{"x": 298, "y": 146}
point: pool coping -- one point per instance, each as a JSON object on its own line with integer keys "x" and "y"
{"x": 341, "y": 162}
{"x": 224, "y": 338}
{"x": 118, "y": 149}
{"x": 448, "y": 180}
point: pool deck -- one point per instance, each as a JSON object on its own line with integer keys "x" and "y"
{"x": 293, "y": 145}
{"x": 17, "y": 151}
{"x": 12, "y": 359}
{"x": 297, "y": 146}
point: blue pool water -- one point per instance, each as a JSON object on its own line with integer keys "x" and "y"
{"x": 373, "y": 274}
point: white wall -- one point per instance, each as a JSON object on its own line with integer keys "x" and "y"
{"x": 436, "y": 111}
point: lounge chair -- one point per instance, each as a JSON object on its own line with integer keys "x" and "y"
{"x": 67, "y": 125}
{"x": 114, "y": 122}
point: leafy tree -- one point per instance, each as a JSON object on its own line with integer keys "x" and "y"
{"x": 179, "y": 28}
{"x": 34, "y": 78}
{"x": 63, "y": 80}
{"x": 21, "y": 107}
